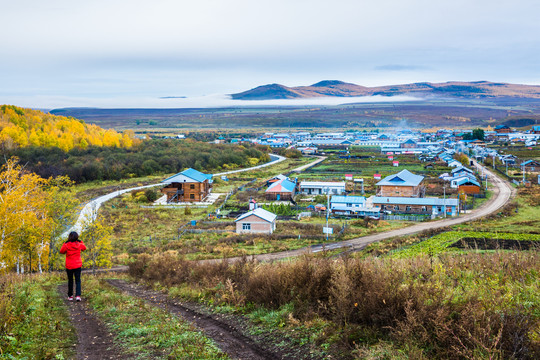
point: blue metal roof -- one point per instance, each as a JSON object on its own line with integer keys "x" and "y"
{"x": 348, "y": 199}
{"x": 192, "y": 174}
{"x": 465, "y": 180}
{"x": 284, "y": 185}
{"x": 402, "y": 178}
{"x": 529, "y": 162}
{"x": 462, "y": 168}
{"x": 413, "y": 201}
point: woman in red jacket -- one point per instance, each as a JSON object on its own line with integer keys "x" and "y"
{"x": 72, "y": 248}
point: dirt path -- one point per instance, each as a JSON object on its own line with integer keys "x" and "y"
{"x": 319, "y": 160}
{"x": 227, "y": 337}
{"x": 94, "y": 341}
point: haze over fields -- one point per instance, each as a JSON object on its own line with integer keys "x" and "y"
{"x": 132, "y": 53}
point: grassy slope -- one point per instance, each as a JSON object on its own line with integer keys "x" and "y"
{"x": 454, "y": 307}
{"x": 34, "y": 323}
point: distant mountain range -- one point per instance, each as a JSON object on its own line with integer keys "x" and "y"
{"x": 453, "y": 89}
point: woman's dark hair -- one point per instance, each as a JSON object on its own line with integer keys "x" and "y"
{"x": 73, "y": 236}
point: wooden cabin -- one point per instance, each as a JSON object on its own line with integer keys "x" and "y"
{"x": 188, "y": 186}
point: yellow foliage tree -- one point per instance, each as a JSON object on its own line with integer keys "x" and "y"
{"x": 24, "y": 222}
{"x": 33, "y": 213}
{"x": 23, "y": 127}
{"x": 97, "y": 238}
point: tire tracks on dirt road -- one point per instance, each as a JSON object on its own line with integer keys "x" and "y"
{"x": 229, "y": 339}
{"x": 94, "y": 341}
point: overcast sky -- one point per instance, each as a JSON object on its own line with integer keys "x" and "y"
{"x": 117, "y": 52}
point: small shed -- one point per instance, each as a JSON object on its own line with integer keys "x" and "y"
{"x": 257, "y": 221}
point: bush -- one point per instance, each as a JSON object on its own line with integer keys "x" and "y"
{"x": 455, "y": 308}
{"x": 151, "y": 195}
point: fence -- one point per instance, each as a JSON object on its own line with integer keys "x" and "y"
{"x": 201, "y": 231}
{"x": 405, "y": 217}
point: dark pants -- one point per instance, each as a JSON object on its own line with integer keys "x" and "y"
{"x": 77, "y": 273}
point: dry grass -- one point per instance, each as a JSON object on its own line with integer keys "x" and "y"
{"x": 460, "y": 307}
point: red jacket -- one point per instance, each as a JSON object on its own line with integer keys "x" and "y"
{"x": 73, "y": 254}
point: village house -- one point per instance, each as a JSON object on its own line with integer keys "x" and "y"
{"x": 352, "y": 205}
{"x": 403, "y": 184}
{"x": 275, "y": 179}
{"x": 461, "y": 170}
{"x": 466, "y": 185}
{"x": 409, "y": 144}
{"x": 321, "y": 188}
{"x": 530, "y": 165}
{"x": 503, "y": 129}
{"x": 282, "y": 190}
{"x": 418, "y": 206}
{"x": 188, "y": 186}
{"x": 258, "y": 221}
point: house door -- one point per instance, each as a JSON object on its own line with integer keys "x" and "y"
{"x": 278, "y": 196}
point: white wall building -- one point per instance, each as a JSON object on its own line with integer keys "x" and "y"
{"x": 322, "y": 188}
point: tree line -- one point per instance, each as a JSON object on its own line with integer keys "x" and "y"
{"x": 150, "y": 157}
{"x": 20, "y": 128}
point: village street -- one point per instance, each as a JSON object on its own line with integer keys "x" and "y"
{"x": 502, "y": 193}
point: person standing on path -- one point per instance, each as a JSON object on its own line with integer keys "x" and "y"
{"x": 72, "y": 248}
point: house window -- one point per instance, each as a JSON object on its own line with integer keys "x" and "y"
{"x": 192, "y": 186}
{"x": 192, "y": 196}
{"x": 424, "y": 208}
{"x": 246, "y": 226}
{"x": 349, "y": 205}
{"x": 408, "y": 208}
{"x": 396, "y": 207}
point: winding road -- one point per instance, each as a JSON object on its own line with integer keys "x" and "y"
{"x": 502, "y": 193}
{"x": 89, "y": 212}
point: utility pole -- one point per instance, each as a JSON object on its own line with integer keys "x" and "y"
{"x": 444, "y": 199}
{"x": 327, "y": 210}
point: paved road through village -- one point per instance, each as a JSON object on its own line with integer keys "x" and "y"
{"x": 502, "y": 193}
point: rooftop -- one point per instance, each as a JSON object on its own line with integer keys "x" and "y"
{"x": 190, "y": 173}
{"x": 403, "y": 178}
{"x": 414, "y": 201}
{"x": 283, "y": 185}
{"x": 348, "y": 199}
{"x": 321, "y": 184}
{"x": 259, "y": 212}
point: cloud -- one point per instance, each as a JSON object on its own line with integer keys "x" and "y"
{"x": 400, "y": 67}
{"x": 178, "y": 102}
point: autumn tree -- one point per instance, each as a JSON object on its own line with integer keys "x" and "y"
{"x": 60, "y": 212}
{"x": 96, "y": 235}
{"x": 24, "y": 220}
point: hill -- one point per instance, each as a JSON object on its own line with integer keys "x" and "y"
{"x": 453, "y": 89}
{"x": 26, "y": 127}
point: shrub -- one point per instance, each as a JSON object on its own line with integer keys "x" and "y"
{"x": 151, "y": 195}
{"x": 457, "y": 307}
